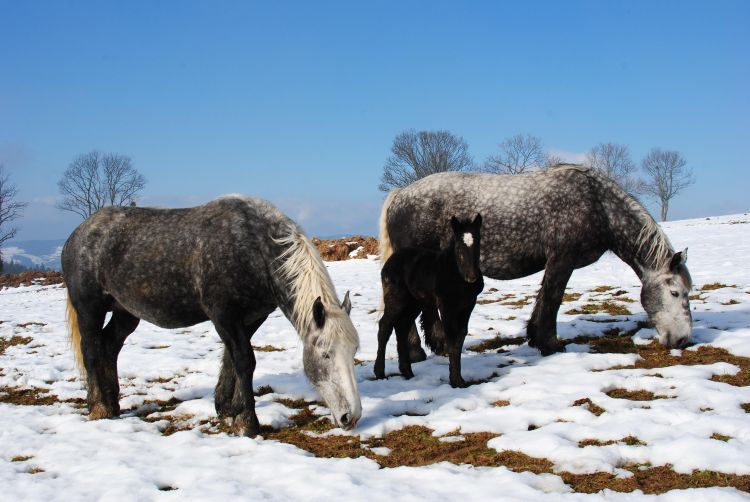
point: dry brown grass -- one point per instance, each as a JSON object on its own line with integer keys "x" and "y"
{"x": 715, "y": 285}
{"x": 634, "y": 395}
{"x": 607, "y": 306}
{"x": 21, "y": 458}
{"x": 628, "y": 440}
{"x": 267, "y": 348}
{"x": 30, "y": 278}
{"x": 589, "y": 405}
{"x": 731, "y": 301}
{"x": 521, "y": 302}
{"x": 571, "y": 297}
{"x": 602, "y": 289}
{"x": 14, "y": 340}
{"x": 30, "y": 323}
{"x": 500, "y": 403}
{"x": 339, "y": 249}
{"x": 495, "y": 343}
{"x": 32, "y": 396}
{"x": 720, "y": 437}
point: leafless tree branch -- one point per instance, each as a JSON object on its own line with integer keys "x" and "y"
{"x": 415, "y": 155}
{"x": 10, "y": 208}
{"x": 518, "y": 154}
{"x": 666, "y": 176}
{"x": 614, "y": 161}
{"x": 95, "y": 180}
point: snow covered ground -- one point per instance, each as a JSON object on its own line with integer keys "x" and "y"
{"x": 52, "y": 452}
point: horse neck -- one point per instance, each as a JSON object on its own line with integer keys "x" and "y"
{"x": 300, "y": 279}
{"x": 636, "y": 238}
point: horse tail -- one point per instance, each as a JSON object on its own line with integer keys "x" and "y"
{"x": 386, "y": 247}
{"x": 74, "y": 333}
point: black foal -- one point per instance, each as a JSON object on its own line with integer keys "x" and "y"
{"x": 442, "y": 285}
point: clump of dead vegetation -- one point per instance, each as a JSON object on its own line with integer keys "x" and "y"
{"x": 607, "y": 306}
{"x": 30, "y": 279}
{"x": 496, "y": 343}
{"x": 341, "y": 249}
{"x": 715, "y": 285}
{"x": 634, "y": 395}
{"x": 14, "y": 340}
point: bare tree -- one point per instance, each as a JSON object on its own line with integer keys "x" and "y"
{"x": 415, "y": 155}
{"x": 10, "y": 209}
{"x": 614, "y": 161}
{"x": 666, "y": 176}
{"x": 518, "y": 154}
{"x": 95, "y": 180}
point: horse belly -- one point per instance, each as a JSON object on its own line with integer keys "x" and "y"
{"x": 163, "y": 307}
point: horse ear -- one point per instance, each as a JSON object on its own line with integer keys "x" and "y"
{"x": 319, "y": 313}
{"x": 477, "y": 221}
{"x": 679, "y": 258}
{"x": 347, "y": 303}
{"x": 455, "y": 225}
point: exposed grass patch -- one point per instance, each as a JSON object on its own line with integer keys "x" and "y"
{"x": 21, "y": 458}
{"x": 589, "y": 405}
{"x": 263, "y": 390}
{"x": 485, "y": 301}
{"x": 14, "y": 340}
{"x": 607, "y": 306}
{"x": 634, "y": 395}
{"x": 571, "y": 297}
{"x": 501, "y": 403}
{"x": 746, "y": 407}
{"x": 521, "y": 302}
{"x": 628, "y": 440}
{"x": 30, "y": 323}
{"x": 296, "y": 404}
{"x": 715, "y": 285}
{"x": 267, "y": 348}
{"x": 720, "y": 437}
{"x": 602, "y": 289}
{"x": 731, "y": 301}
{"x": 35, "y": 470}
{"x": 31, "y": 396}
{"x": 495, "y": 343}
{"x": 697, "y": 297}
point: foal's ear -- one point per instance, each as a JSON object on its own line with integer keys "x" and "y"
{"x": 455, "y": 225}
{"x": 477, "y": 221}
{"x": 319, "y": 313}
{"x": 679, "y": 258}
{"x": 347, "y": 303}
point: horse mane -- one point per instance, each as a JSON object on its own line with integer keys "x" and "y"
{"x": 651, "y": 243}
{"x": 307, "y": 277}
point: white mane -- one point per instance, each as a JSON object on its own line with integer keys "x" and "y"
{"x": 308, "y": 279}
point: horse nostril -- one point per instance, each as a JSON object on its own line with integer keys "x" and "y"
{"x": 345, "y": 418}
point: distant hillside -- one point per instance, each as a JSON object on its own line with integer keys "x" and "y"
{"x": 34, "y": 253}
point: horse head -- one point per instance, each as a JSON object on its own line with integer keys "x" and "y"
{"x": 665, "y": 298}
{"x": 328, "y": 359}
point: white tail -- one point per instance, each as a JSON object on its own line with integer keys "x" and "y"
{"x": 386, "y": 248}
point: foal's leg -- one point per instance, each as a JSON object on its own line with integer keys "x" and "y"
{"x": 228, "y": 398}
{"x": 234, "y": 335}
{"x": 416, "y": 352}
{"x": 542, "y": 328}
{"x": 403, "y": 326}
{"x": 456, "y": 324}
{"x": 434, "y": 333}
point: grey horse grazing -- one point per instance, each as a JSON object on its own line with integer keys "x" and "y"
{"x": 231, "y": 261}
{"x": 557, "y": 220}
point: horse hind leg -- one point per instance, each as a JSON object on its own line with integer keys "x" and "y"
{"x": 541, "y": 330}
{"x": 99, "y": 348}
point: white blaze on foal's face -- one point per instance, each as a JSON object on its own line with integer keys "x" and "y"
{"x": 468, "y": 239}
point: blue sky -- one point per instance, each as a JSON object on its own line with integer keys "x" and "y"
{"x": 298, "y": 102}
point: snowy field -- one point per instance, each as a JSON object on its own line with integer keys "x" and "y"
{"x": 601, "y": 411}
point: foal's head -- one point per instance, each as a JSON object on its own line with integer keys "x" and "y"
{"x": 466, "y": 246}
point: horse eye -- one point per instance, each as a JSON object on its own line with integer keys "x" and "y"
{"x": 675, "y": 294}
{"x": 326, "y": 355}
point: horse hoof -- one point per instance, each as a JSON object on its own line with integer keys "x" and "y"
{"x": 408, "y": 375}
{"x": 551, "y": 349}
{"x": 459, "y": 384}
{"x": 245, "y": 425}
{"x": 99, "y": 411}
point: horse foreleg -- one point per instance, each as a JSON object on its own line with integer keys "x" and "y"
{"x": 434, "y": 333}
{"x": 385, "y": 328}
{"x": 113, "y": 336}
{"x": 237, "y": 343}
{"x": 228, "y": 399}
{"x": 542, "y": 328}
